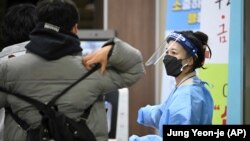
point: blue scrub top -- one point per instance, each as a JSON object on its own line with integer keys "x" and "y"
{"x": 188, "y": 104}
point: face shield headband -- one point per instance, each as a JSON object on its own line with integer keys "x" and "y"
{"x": 163, "y": 48}
{"x": 186, "y": 43}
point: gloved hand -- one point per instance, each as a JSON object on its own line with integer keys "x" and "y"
{"x": 145, "y": 138}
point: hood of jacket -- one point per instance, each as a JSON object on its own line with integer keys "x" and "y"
{"x": 52, "y": 44}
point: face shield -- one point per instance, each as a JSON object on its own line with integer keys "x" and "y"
{"x": 161, "y": 51}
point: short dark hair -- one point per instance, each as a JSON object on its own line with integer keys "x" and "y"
{"x": 17, "y": 23}
{"x": 62, "y": 13}
{"x": 199, "y": 39}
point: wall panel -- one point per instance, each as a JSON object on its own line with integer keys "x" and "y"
{"x": 134, "y": 22}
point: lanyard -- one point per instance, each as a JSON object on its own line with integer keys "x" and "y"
{"x": 184, "y": 79}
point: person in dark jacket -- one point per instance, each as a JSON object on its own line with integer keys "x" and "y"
{"x": 17, "y": 23}
{"x": 53, "y": 61}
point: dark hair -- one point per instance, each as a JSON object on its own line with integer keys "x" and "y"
{"x": 62, "y": 13}
{"x": 199, "y": 39}
{"x": 18, "y": 22}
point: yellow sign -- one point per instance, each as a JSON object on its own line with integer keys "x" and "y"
{"x": 216, "y": 75}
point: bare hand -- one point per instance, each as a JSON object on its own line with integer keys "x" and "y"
{"x": 98, "y": 56}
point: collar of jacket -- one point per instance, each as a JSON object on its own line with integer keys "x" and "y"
{"x": 51, "y": 44}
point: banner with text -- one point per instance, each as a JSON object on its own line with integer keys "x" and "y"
{"x": 211, "y": 17}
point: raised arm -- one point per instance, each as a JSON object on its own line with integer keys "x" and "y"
{"x": 122, "y": 64}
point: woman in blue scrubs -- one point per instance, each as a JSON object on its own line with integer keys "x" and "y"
{"x": 190, "y": 103}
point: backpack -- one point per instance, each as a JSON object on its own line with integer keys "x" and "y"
{"x": 55, "y": 126}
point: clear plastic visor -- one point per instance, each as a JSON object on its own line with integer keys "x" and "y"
{"x": 160, "y": 52}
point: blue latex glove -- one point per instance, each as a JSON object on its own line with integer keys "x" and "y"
{"x": 145, "y": 138}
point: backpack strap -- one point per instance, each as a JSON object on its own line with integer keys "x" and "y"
{"x": 41, "y": 106}
{"x": 86, "y": 113}
{"x": 53, "y": 100}
{"x": 18, "y": 120}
